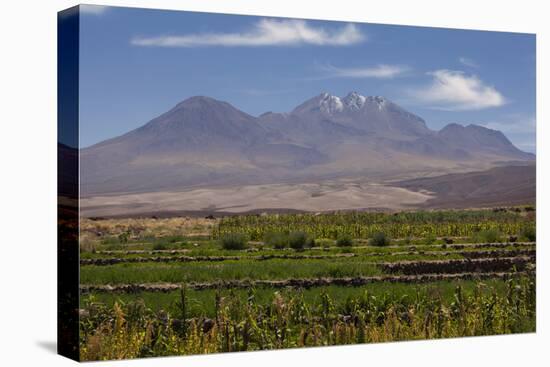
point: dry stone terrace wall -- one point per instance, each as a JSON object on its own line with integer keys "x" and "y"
{"x": 112, "y": 261}
{"x": 457, "y": 246}
{"x": 168, "y": 259}
{"x": 299, "y": 283}
{"x": 498, "y": 253}
{"x": 519, "y": 263}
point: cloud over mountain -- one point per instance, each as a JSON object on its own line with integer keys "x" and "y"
{"x": 381, "y": 71}
{"x": 458, "y": 91}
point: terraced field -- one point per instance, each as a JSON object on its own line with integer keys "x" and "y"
{"x": 184, "y": 285}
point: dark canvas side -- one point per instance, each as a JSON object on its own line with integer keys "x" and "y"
{"x": 67, "y": 186}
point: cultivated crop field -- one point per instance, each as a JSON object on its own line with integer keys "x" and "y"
{"x": 168, "y": 286}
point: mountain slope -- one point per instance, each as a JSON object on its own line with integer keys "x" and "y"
{"x": 202, "y": 142}
{"x": 370, "y": 115}
{"x": 511, "y": 185}
{"x": 479, "y": 138}
{"x": 199, "y": 140}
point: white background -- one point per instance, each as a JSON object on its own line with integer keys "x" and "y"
{"x": 28, "y": 181}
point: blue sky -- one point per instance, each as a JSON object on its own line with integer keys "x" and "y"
{"x": 138, "y": 63}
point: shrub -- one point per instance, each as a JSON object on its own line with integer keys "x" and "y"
{"x": 529, "y": 233}
{"x": 276, "y": 240}
{"x": 123, "y": 237}
{"x": 159, "y": 246}
{"x": 183, "y": 244}
{"x": 234, "y": 241}
{"x": 489, "y": 236}
{"x": 168, "y": 242}
{"x": 430, "y": 239}
{"x": 344, "y": 241}
{"x": 173, "y": 239}
{"x": 297, "y": 240}
{"x": 310, "y": 242}
{"x": 379, "y": 239}
{"x": 324, "y": 243}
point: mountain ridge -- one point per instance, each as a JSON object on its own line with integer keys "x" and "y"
{"x": 202, "y": 141}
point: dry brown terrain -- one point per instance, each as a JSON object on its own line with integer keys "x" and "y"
{"x": 333, "y": 195}
{"x": 500, "y": 186}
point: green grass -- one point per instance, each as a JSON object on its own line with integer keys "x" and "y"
{"x": 273, "y": 269}
{"x": 212, "y": 271}
{"x": 202, "y": 303}
{"x": 207, "y": 250}
{"x": 490, "y": 235}
{"x": 289, "y": 319}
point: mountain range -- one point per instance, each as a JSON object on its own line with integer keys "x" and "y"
{"x": 205, "y": 143}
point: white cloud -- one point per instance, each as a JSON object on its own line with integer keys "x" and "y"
{"x": 266, "y": 32}
{"x": 379, "y": 71}
{"x": 457, "y": 91}
{"x": 468, "y": 62}
{"x": 93, "y": 9}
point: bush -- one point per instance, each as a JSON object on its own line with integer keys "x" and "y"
{"x": 159, "y": 246}
{"x": 310, "y": 242}
{"x": 489, "y": 236}
{"x": 379, "y": 239}
{"x": 173, "y": 239}
{"x": 123, "y": 237}
{"x": 430, "y": 239}
{"x": 168, "y": 242}
{"x": 234, "y": 241}
{"x": 344, "y": 241}
{"x": 276, "y": 240}
{"x": 324, "y": 243}
{"x": 297, "y": 240}
{"x": 529, "y": 233}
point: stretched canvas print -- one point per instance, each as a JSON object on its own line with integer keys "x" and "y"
{"x": 237, "y": 183}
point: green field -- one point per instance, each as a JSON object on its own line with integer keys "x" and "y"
{"x": 186, "y": 286}
{"x": 202, "y": 303}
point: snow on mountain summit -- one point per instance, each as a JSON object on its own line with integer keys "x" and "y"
{"x": 380, "y": 101}
{"x": 353, "y": 101}
{"x": 330, "y": 103}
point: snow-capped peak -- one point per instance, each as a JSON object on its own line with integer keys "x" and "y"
{"x": 330, "y": 103}
{"x": 354, "y": 100}
{"x": 380, "y": 101}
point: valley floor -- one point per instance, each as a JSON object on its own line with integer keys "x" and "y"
{"x": 500, "y": 186}
{"x": 312, "y": 197}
